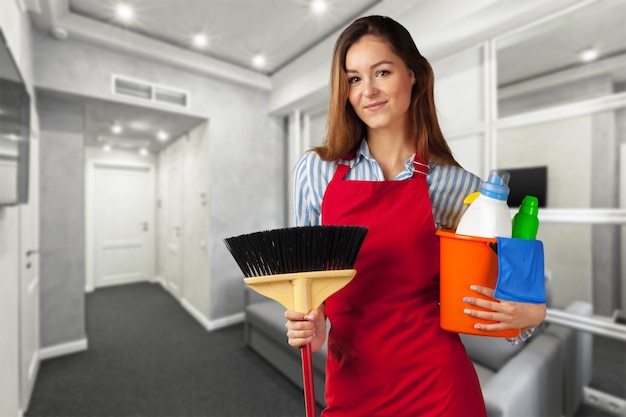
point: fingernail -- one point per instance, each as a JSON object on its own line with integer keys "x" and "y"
{"x": 466, "y": 300}
{"x": 473, "y": 287}
{"x": 467, "y": 311}
{"x": 477, "y": 326}
{"x": 309, "y": 317}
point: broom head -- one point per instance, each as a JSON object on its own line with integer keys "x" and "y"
{"x": 297, "y": 249}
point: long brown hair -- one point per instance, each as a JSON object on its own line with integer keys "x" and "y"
{"x": 345, "y": 129}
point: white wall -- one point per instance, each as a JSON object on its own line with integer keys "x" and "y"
{"x": 62, "y": 248}
{"x": 192, "y": 154}
{"x": 16, "y": 30}
{"x": 244, "y": 161}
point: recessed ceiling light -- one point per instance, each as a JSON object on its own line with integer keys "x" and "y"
{"x": 116, "y": 128}
{"x": 124, "y": 12}
{"x": 162, "y": 135}
{"x": 106, "y": 148}
{"x": 143, "y": 152}
{"x": 258, "y": 61}
{"x": 319, "y": 6}
{"x": 139, "y": 125}
{"x": 200, "y": 40}
{"x": 589, "y": 54}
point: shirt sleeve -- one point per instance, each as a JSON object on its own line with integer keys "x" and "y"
{"x": 448, "y": 186}
{"x": 523, "y": 336}
{"x": 306, "y": 211}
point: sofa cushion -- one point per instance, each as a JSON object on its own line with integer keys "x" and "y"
{"x": 268, "y": 317}
{"x": 484, "y": 374}
{"x": 490, "y": 352}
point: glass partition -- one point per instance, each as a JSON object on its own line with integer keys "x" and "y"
{"x": 579, "y": 154}
{"x": 568, "y": 261}
{"x": 578, "y": 56}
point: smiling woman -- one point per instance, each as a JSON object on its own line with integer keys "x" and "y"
{"x": 386, "y": 165}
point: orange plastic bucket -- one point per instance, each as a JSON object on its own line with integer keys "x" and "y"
{"x": 465, "y": 261}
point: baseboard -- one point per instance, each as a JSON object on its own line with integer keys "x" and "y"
{"x": 604, "y": 401}
{"x": 206, "y": 323}
{"x": 211, "y": 325}
{"x": 161, "y": 281}
{"x": 33, "y": 367}
{"x": 227, "y": 321}
{"x": 63, "y": 349}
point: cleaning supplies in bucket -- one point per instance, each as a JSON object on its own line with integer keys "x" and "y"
{"x": 465, "y": 261}
{"x": 469, "y": 257}
{"x": 489, "y": 215}
{"x": 520, "y": 259}
{"x": 525, "y": 222}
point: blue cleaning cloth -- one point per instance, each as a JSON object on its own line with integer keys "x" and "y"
{"x": 520, "y": 271}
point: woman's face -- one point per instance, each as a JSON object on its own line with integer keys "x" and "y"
{"x": 380, "y": 84}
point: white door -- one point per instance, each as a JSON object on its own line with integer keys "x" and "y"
{"x": 29, "y": 281}
{"x": 173, "y": 263}
{"x": 123, "y": 230}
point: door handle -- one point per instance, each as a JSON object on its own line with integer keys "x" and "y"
{"x": 31, "y": 252}
{"x": 144, "y": 226}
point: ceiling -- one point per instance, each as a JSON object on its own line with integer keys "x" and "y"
{"x": 237, "y": 30}
{"x": 140, "y": 125}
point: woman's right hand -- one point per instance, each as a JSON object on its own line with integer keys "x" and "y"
{"x": 306, "y": 328}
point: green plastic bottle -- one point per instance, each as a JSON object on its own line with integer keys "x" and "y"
{"x": 525, "y": 222}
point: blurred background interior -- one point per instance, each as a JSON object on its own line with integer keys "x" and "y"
{"x": 136, "y": 135}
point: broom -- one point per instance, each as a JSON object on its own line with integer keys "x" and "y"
{"x": 299, "y": 267}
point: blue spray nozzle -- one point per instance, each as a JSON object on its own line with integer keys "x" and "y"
{"x": 497, "y": 185}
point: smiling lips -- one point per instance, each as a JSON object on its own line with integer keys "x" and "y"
{"x": 375, "y": 106}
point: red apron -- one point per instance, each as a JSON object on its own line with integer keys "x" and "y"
{"x": 387, "y": 355}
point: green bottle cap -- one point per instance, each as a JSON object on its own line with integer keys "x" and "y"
{"x": 530, "y": 205}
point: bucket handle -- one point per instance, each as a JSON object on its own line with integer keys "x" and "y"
{"x": 493, "y": 246}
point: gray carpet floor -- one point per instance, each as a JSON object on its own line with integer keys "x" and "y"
{"x": 148, "y": 357}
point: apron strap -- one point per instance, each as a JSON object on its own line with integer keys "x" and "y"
{"x": 420, "y": 165}
{"x": 341, "y": 172}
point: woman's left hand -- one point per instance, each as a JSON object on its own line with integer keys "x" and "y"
{"x": 506, "y": 314}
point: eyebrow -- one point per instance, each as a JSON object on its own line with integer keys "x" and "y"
{"x": 379, "y": 63}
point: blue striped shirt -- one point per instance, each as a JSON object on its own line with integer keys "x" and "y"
{"x": 447, "y": 187}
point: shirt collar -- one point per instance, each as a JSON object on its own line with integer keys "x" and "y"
{"x": 363, "y": 152}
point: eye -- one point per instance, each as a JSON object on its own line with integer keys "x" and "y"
{"x": 382, "y": 73}
{"x": 353, "y": 80}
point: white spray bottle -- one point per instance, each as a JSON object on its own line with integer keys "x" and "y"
{"x": 489, "y": 215}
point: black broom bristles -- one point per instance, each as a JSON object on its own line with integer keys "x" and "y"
{"x": 297, "y": 249}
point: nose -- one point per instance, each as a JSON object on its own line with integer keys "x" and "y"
{"x": 369, "y": 88}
